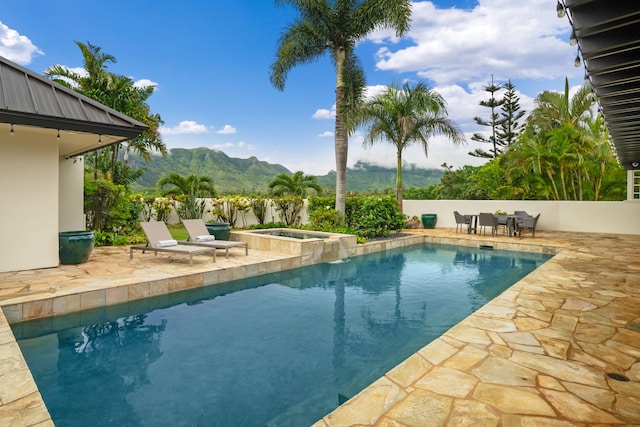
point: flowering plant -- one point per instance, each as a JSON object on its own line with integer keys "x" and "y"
{"x": 162, "y": 207}
{"x": 226, "y": 209}
{"x": 157, "y": 208}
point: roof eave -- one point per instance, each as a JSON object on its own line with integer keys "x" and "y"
{"x": 21, "y": 118}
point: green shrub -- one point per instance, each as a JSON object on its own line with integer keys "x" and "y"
{"x": 289, "y": 208}
{"x": 366, "y": 217}
{"x": 378, "y": 217}
{"x": 109, "y": 238}
{"x": 109, "y": 207}
{"x": 325, "y": 219}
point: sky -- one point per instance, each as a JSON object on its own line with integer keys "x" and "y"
{"x": 210, "y": 64}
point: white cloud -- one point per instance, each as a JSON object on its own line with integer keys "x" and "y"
{"x": 324, "y": 114}
{"x": 441, "y": 150}
{"x": 76, "y": 70}
{"x": 16, "y": 47}
{"x": 227, "y": 130}
{"x": 249, "y": 147}
{"x": 463, "y": 105}
{"x": 221, "y": 146}
{"x": 330, "y": 114}
{"x": 241, "y": 144}
{"x": 326, "y": 133}
{"x": 507, "y": 39}
{"x": 185, "y": 127}
{"x": 145, "y": 83}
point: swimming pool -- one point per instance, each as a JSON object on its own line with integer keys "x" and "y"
{"x": 278, "y": 349}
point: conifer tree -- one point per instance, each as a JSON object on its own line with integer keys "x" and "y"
{"x": 495, "y": 121}
{"x": 510, "y": 128}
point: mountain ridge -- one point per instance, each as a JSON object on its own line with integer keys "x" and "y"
{"x": 236, "y": 175}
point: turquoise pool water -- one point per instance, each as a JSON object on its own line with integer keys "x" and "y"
{"x": 275, "y": 350}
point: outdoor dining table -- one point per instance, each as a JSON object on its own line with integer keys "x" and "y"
{"x": 509, "y": 221}
{"x": 512, "y": 225}
{"x": 473, "y": 219}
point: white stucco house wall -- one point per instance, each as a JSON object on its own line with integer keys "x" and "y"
{"x": 45, "y": 128}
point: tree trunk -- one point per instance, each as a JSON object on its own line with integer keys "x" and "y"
{"x": 341, "y": 137}
{"x": 399, "y": 180}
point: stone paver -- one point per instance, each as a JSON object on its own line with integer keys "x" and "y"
{"x": 537, "y": 355}
{"x": 541, "y": 350}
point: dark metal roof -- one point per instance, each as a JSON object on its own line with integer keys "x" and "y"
{"x": 29, "y": 99}
{"x": 608, "y": 34}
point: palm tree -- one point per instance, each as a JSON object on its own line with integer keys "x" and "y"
{"x": 530, "y": 162}
{"x": 188, "y": 189}
{"x": 554, "y": 108}
{"x": 191, "y": 185}
{"x": 335, "y": 27}
{"x": 120, "y": 93}
{"x": 402, "y": 116}
{"x": 294, "y": 185}
{"x": 565, "y": 139}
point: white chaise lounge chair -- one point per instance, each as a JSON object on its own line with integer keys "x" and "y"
{"x": 159, "y": 239}
{"x": 199, "y": 236}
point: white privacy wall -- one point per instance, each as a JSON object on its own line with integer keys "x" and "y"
{"x": 621, "y": 217}
{"x": 71, "y": 195}
{"x": 29, "y": 202}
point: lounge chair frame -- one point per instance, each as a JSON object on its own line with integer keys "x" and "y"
{"x": 197, "y": 227}
{"x": 156, "y": 231}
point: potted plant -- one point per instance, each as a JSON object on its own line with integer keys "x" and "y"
{"x": 413, "y": 222}
{"x": 429, "y": 220}
{"x": 75, "y": 246}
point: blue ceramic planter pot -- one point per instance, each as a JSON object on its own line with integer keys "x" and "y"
{"x": 75, "y": 246}
{"x": 429, "y": 220}
{"x": 221, "y": 230}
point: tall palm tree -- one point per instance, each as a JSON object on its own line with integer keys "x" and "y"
{"x": 335, "y": 27}
{"x": 118, "y": 92}
{"x": 297, "y": 184}
{"x": 406, "y": 115}
{"x": 553, "y": 109}
{"x": 566, "y": 138}
{"x": 191, "y": 185}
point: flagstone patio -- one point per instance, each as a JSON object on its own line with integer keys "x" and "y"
{"x": 559, "y": 348}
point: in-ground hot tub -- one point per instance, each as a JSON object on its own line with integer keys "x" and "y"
{"x": 312, "y": 246}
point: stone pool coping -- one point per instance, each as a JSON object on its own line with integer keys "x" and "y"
{"x": 508, "y": 363}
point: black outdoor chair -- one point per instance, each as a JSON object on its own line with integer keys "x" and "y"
{"x": 488, "y": 220}
{"x": 522, "y": 214}
{"x": 462, "y": 220}
{"x": 528, "y": 224}
{"x": 503, "y": 221}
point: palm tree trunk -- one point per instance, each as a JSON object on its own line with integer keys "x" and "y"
{"x": 341, "y": 137}
{"x": 556, "y": 195}
{"x": 399, "y": 180}
{"x": 597, "y": 185}
{"x": 114, "y": 160}
{"x": 580, "y": 193}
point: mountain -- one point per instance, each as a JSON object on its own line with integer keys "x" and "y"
{"x": 230, "y": 175}
{"x": 369, "y": 177}
{"x": 234, "y": 175}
